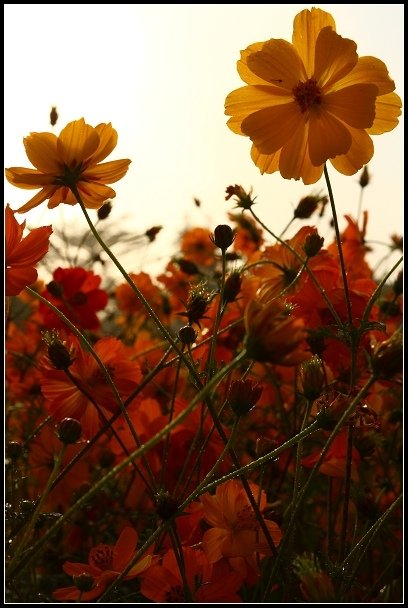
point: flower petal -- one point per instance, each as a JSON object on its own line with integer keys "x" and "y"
{"x": 278, "y": 63}
{"x": 245, "y": 101}
{"x": 37, "y": 199}
{"x": 306, "y": 28}
{"x": 335, "y": 57}
{"x": 77, "y": 142}
{"x": 108, "y": 138}
{"x": 41, "y": 149}
{"x": 368, "y": 70}
{"x": 387, "y": 111}
{"x": 107, "y": 173}
{"x": 354, "y": 105}
{"x": 28, "y": 179}
{"x": 358, "y": 155}
{"x": 13, "y": 230}
{"x": 266, "y": 163}
{"x": 270, "y": 128}
{"x": 31, "y": 249}
{"x": 124, "y": 549}
{"x": 328, "y": 137}
{"x": 17, "y": 278}
{"x": 295, "y": 159}
{"x": 94, "y": 194}
{"x": 242, "y": 66}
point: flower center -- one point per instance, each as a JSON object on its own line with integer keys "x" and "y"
{"x": 101, "y": 557}
{"x": 307, "y": 94}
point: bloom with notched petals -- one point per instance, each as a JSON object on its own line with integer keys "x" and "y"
{"x": 70, "y": 161}
{"x": 22, "y": 253}
{"x": 311, "y": 101}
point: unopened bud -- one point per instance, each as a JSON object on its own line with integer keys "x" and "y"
{"x": 312, "y": 245}
{"x": 312, "y": 377}
{"x": 330, "y": 408}
{"x": 58, "y": 353}
{"x": 243, "y": 396}
{"x": 364, "y": 177}
{"x": 187, "y": 334}
{"x": 387, "y": 356}
{"x": 232, "y": 286}
{"x": 166, "y": 505}
{"x": 223, "y": 236}
{"x": 264, "y": 445}
{"x": 69, "y": 430}
{"x": 84, "y": 581}
{"x": 104, "y": 211}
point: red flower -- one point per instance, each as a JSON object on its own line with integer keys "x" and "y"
{"x": 334, "y": 462}
{"x": 75, "y": 292}
{"x": 22, "y": 253}
{"x": 64, "y": 399}
{"x": 105, "y": 564}
{"x": 207, "y": 582}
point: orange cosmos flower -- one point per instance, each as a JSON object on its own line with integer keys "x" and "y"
{"x": 22, "y": 253}
{"x": 311, "y": 101}
{"x": 274, "y": 334}
{"x": 69, "y": 161}
{"x": 64, "y": 399}
{"x": 212, "y": 583}
{"x": 196, "y": 246}
{"x": 105, "y": 564}
{"x": 334, "y": 462}
{"x": 235, "y": 529}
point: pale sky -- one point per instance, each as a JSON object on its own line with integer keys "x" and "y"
{"x": 160, "y": 74}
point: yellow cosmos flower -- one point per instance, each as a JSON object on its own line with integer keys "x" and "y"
{"x": 71, "y": 160}
{"x": 311, "y": 101}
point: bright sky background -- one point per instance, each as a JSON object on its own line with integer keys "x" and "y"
{"x": 160, "y": 74}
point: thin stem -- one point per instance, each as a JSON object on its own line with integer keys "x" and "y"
{"x": 339, "y": 247}
{"x": 346, "y": 499}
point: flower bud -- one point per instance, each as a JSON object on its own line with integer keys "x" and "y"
{"x": 364, "y": 177}
{"x": 84, "y": 581}
{"x": 55, "y": 289}
{"x": 330, "y": 408}
{"x": 312, "y": 245}
{"x": 104, "y": 211}
{"x": 187, "y": 334}
{"x": 53, "y": 116}
{"x": 264, "y": 445}
{"x": 312, "y": 377}
{"x": 232, "y": 286}
{"x": 243, "y": 199}
{"x": 58, "y": 353}
{"x": 152, "y": 232}
{"x": 243, "y": 396}
{"x": 387, "y": 356}
{"x": 166, "y": 505}
{"x": 69, "y": 430}
{"x": 14, "y": 449}
{"x": 223, "y": 236}
{"x": 316, "y": 585}
{"x": 187, "y": 266}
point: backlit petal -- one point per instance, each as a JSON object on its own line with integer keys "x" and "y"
{"x": 18, "y": 278}
{"x": 41, "y": 149}
{"x": 243, "y": 69}
{"x": 13, "y": 231}
{"x": 31, "y": 249}
{"x": 107, "y": 173}
{"x": 328, "y": 137}
{"x": 335, "y": 57}
{"x": 278, "y": 63}
{"x": 355, "y": 105}
{"x": 358, "y": 155}
{"x": 266, "y": 163}
{"x": 108, "y": 138}
{"x": 37, "y": 199}
{"x": 94, "y": 194}
{"x": 271, "y": 127}
{"x": 371, "y": 70}
{"x": 387, "y": 111}
{"x": 295, "y": 160}
{"x": 306, "y": 27}
{"x": 28, "y": 179}
{"x": 245, "y": 101}
{"x": 77, "y": 142}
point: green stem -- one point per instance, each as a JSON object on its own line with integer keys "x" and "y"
{"x": 37, "y": 512}
{"x": 339, "y": 247}
{"x": 346, "y": 499}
